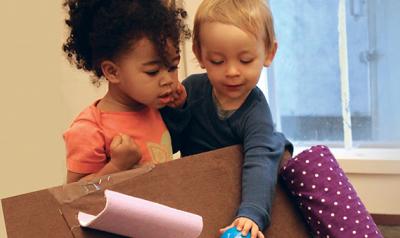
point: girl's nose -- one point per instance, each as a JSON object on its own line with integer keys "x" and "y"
{"x": 166, "y": 80}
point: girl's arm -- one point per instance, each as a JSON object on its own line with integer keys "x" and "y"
{"x": 109, "y": 168}
{"x": 124, "y": 154}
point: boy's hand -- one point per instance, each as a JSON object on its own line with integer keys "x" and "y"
{"x": 178, "y": 97}
{"x": 244, "y": 224}
{"x": 124, "y": 152}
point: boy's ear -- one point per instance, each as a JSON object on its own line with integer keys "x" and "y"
{"x": 196, "y": 52}
{"x": 110, "y": 71}
{"x": 270, "y": 54}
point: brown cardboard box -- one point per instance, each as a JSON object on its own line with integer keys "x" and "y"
{"x": 206, "y": 184}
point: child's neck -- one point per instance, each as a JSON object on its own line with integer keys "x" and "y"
{"x": 229, "y": 104}
{"x": 113, "y": 102}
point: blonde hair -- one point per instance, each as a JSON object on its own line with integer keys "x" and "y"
{"x": 251, "y": 16}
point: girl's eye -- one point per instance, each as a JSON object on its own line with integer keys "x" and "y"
{"x": 173, "y": 68}
{"x": 216, "y": 62}
{"x": 152, "y": 73}
{"x": 246, "y": 61}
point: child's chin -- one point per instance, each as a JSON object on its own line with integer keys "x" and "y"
{"x": 158, "y": 105}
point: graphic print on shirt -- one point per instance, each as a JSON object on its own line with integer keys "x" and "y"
{"x": 162, "y": 152}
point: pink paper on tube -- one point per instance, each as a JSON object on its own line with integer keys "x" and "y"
{"x": 134, "y": 217}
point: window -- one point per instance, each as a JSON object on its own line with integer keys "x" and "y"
{"x": 336, "y": 76}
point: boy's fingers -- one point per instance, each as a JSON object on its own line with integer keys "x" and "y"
{"x": 240, "y": 224}
{"x": 173, "y": 104}
{"x": 246, "y": 228}
{"x": 179, "y": 88}
{"x": 222, "y": 230}
{"x": 254, "y": 231}
{"x": 228, "y": 227}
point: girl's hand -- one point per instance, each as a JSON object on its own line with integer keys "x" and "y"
{"x": 178, "y": 97}
{"x": 244, "y": 224}
{"x": 124, "y": 152}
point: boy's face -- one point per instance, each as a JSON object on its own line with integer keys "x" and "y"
{"x": 233, "y": 59}
{"x": 141, "y": 77}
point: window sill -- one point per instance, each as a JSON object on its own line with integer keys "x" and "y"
{"x": 366, "y": 161}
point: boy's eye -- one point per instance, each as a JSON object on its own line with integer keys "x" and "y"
{"x": 246, "y": 61}
{"x": 153, "y": 72}
{"x": 216, "y": 62}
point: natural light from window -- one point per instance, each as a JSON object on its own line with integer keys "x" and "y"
{"x": 335, "y": 79}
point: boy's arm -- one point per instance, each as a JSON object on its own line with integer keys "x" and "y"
{"x": 176, "y": 121}
{"x": 179, "y": 97}
{"x": 177, "y": 117}
{"x": 263, "y": 149}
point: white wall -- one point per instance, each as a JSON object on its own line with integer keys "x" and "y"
{"x": 40, "y": 93}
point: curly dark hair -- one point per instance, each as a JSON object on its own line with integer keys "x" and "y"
{"x": 103, "y": 29}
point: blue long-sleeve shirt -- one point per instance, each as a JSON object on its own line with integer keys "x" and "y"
{"x": 197, "y": 128}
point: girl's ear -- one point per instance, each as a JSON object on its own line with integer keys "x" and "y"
{"x": 270, "y": 54}
{"x": 196, "y": 52}
{"x": 110, "y": 71}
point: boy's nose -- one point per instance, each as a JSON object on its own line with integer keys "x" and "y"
{"x": 232, "y": 70}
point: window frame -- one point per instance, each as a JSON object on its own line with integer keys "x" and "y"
{"x": 367, "y": 157}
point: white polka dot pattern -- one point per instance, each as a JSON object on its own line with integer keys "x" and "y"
{"x": 325, "y": 196}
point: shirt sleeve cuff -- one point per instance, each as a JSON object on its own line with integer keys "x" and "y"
{"x": 82, "y": 167}
{"x": 261, "y": 218}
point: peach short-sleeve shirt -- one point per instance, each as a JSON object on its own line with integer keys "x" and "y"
{"x": 89, "y": 137}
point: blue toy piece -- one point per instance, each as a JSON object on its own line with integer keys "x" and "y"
{"x": 234, "y": 233}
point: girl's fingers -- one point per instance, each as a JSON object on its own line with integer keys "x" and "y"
{"x": 117, "y": 140}
{"x": 125, "y": 139}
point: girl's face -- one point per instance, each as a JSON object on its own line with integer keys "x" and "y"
{"x": 142, "y": 78}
